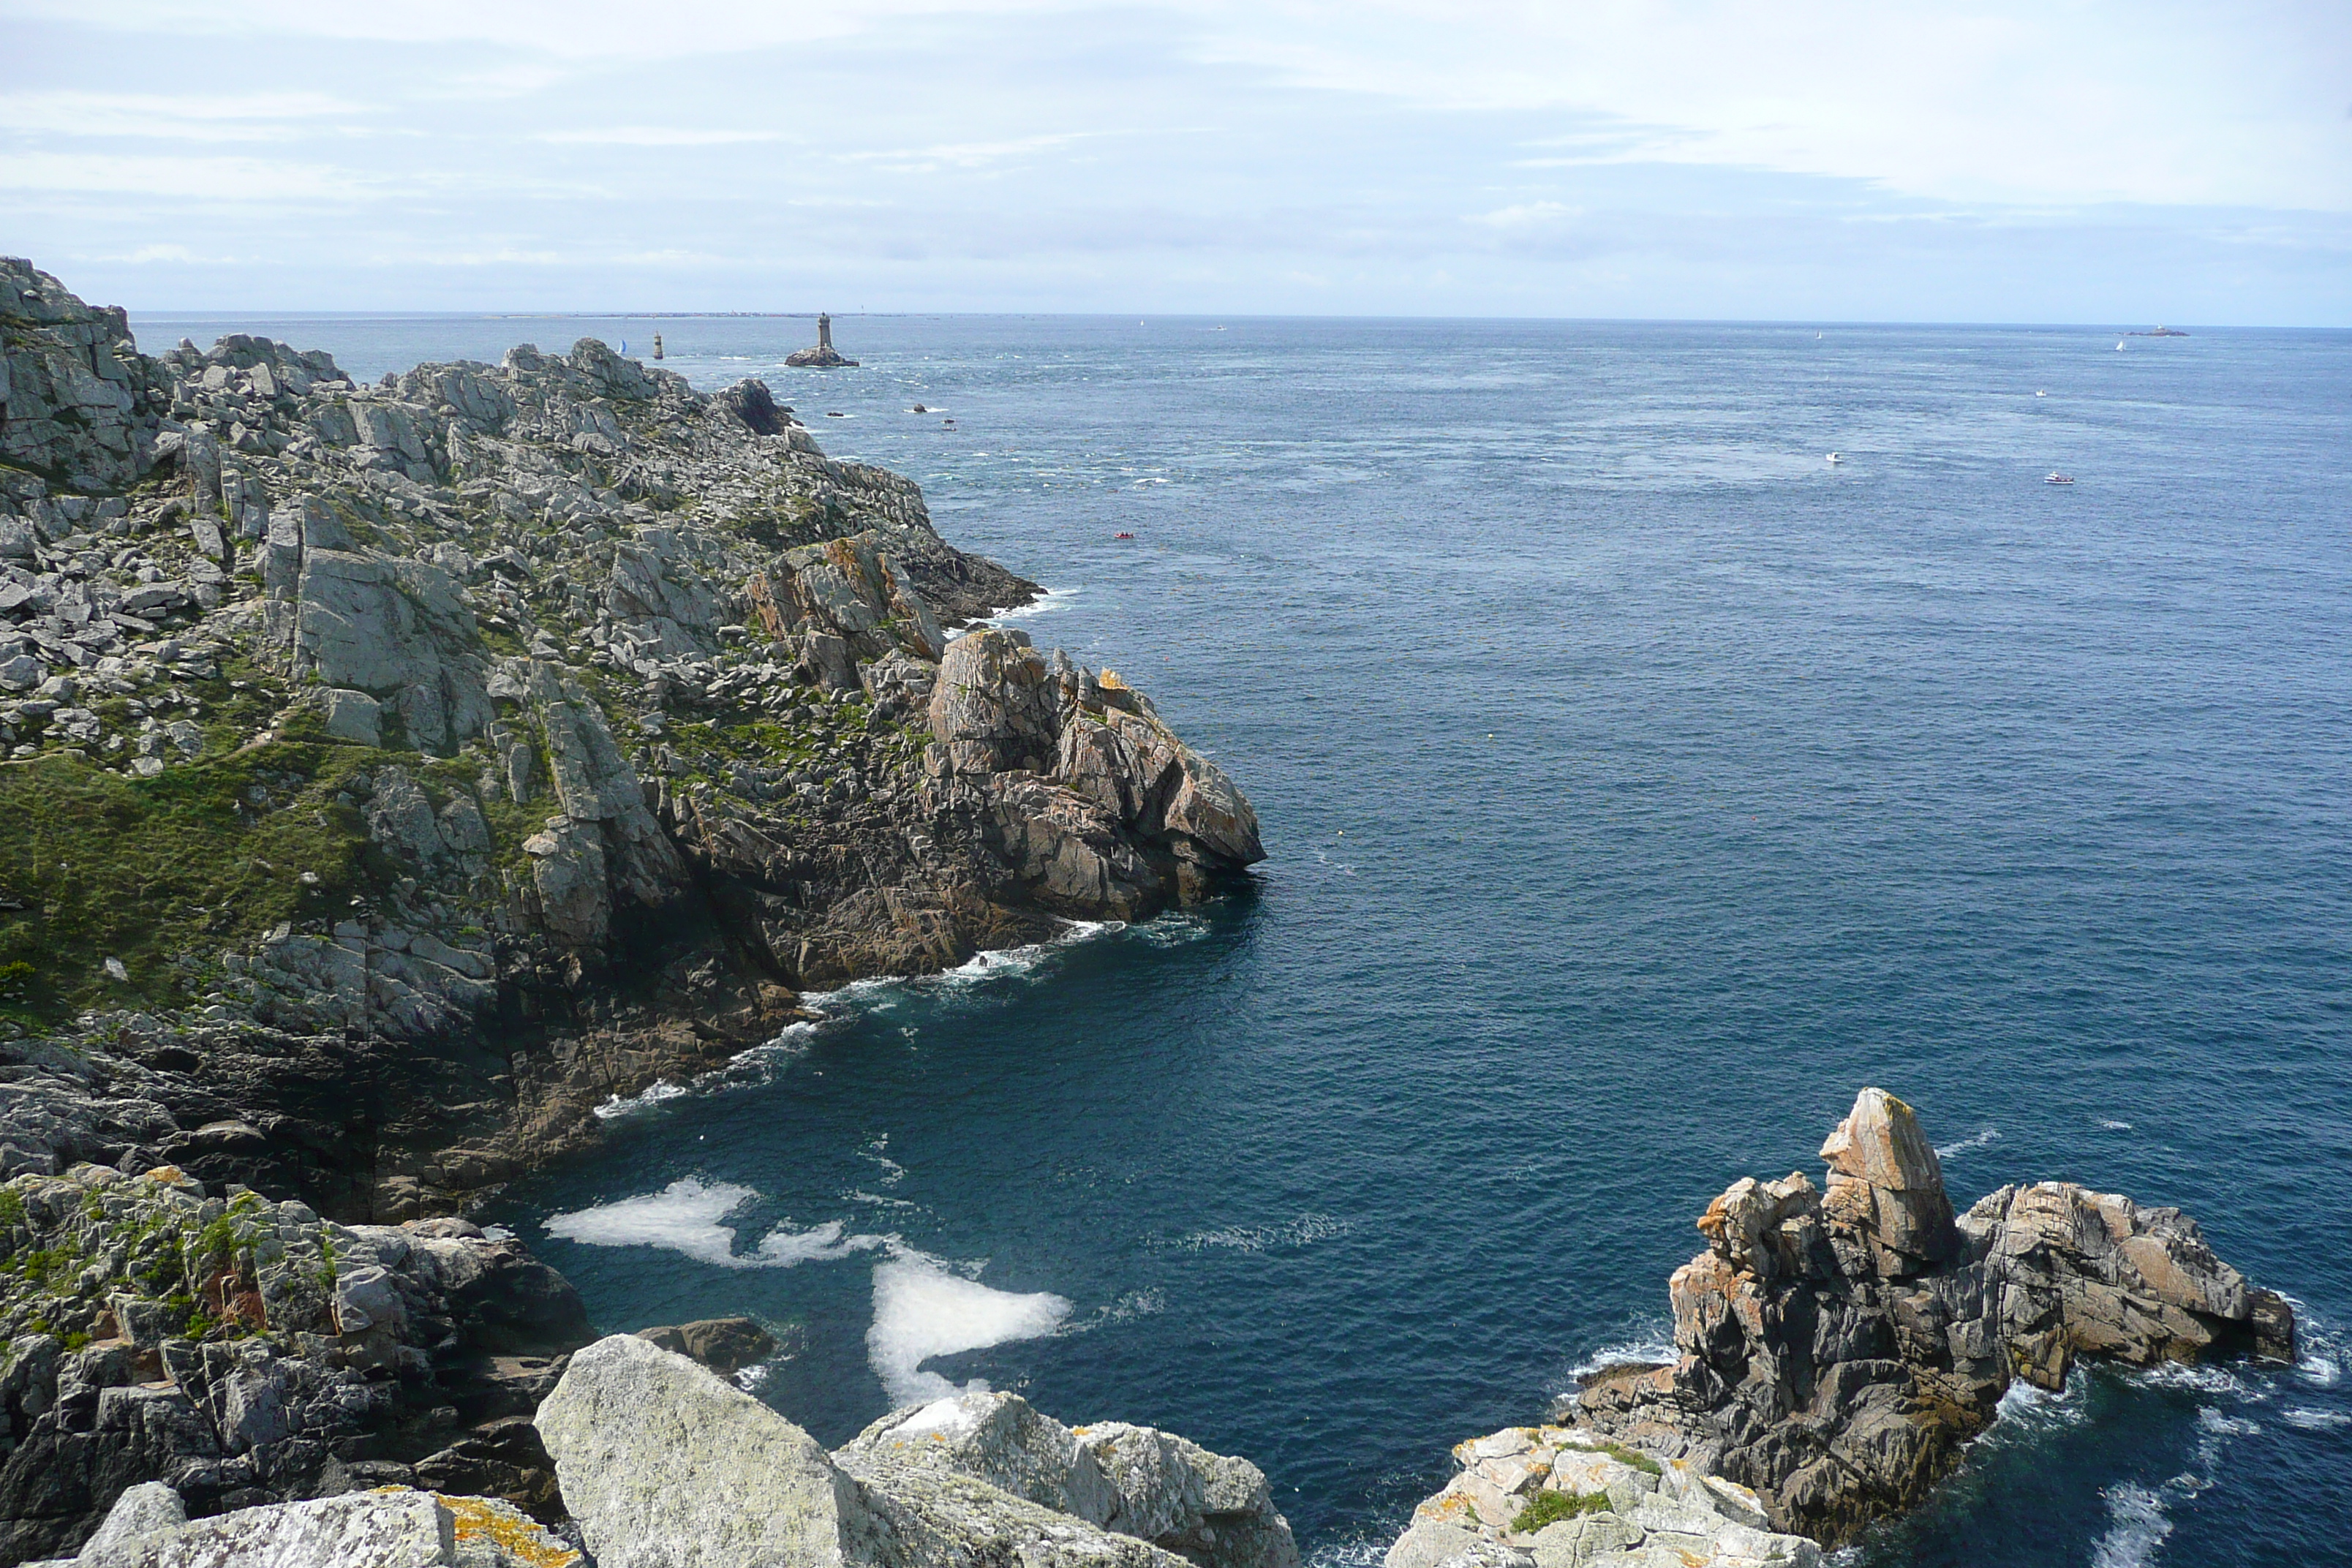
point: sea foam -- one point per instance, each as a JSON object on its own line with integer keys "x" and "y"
{"x": 684, "y": 1217}
{"x": 2139, "y": 1526}
{"x": 1990, "y": 1135}
{"x": 921, "y": 1310}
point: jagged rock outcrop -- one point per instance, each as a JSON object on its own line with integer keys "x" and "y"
{"x": 1839, "y": 1346}
{"x": 244, "y": 1350}
{"x": 482, "y": 744}
{"x": 78, "y": 405}
{"x": 666, "y": 1465}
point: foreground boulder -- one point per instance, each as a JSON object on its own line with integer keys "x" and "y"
{"x": 1839, "y": 1346}
{"x": 1212, "y": 1509}
{"x": 666, "y": 1465}
{"x": 392, "y": 1527}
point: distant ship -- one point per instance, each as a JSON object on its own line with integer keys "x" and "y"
{"x": 2160, "y": 332}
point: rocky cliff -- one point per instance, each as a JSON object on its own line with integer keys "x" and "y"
{"x": 397, "y": 770}
{"x": 248, "y": 1351}
{"x": 393, "y": 774}
{"x": 1837, "y": 1346}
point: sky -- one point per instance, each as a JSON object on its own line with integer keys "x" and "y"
{"x": 2088, "y": 161}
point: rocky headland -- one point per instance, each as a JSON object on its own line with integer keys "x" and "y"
{"x": 1837, "y": 1347}
{"x": 393, "y": 774}
{"x": 397, "y": 772}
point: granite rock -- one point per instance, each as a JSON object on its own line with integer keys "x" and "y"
{"x": 1837, "y": 1346}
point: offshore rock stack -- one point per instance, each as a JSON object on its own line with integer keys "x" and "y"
{"x": 1838, "y": 1347}
{"x": 824, "y": 356}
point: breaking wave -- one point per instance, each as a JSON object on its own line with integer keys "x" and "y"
{"x": 2138, "y": 1527}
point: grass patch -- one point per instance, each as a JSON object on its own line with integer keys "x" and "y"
{"x": 1550, "y": 1508}
{"x": 153, "y": 871}
{"x": 1634, "y": 1457}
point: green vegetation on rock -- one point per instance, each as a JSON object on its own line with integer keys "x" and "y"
{"x": 1550, "y": 1508}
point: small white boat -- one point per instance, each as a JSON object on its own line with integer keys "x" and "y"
{"x": 2040, "y": 395}
{"x": 1837, "y": 457}
{"x": 2059, "y": 478}
{"x": 2119, "y": 345}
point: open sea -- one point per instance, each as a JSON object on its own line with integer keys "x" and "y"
{"x": 1639, "y": 784}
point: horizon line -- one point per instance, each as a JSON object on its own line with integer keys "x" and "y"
{"x": 1146, "y": 316}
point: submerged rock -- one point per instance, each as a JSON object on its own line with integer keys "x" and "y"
{"x": 722, "y": 1344}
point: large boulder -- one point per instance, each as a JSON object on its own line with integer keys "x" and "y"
{"x": 1886, "y": 1205}
{"x": 392, "y": 1527}
{"x": 993, "y": 708}
{"x": 399, "y": 630}
{"x": 666, "y": 1465}
{"x": 1212, "y": 1509}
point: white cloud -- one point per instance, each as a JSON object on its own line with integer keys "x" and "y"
{"x": 963, "y": 154}
{"x": 188, "y": 117}
{"x": 653, "y": 136}
{"x": 230, "y": 181}
{"x": 1407, "y": 155}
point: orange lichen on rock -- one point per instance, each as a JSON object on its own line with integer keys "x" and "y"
{"x": 509, "y": 1528}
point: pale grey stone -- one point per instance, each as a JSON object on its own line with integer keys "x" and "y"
{"x": 358, "y": 1530}
{"x": 1574, "y": 1542}
{"x": 666, "y": 1465}
{"x": 147, "y": 1509}
{"x": 354, "y": 716}
{"x": 1215, "y": 1510}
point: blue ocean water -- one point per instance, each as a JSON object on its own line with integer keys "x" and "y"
{"x": 1639, "y": 784}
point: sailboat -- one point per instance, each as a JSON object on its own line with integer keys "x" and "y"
{"x": 2119, "y": 345}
